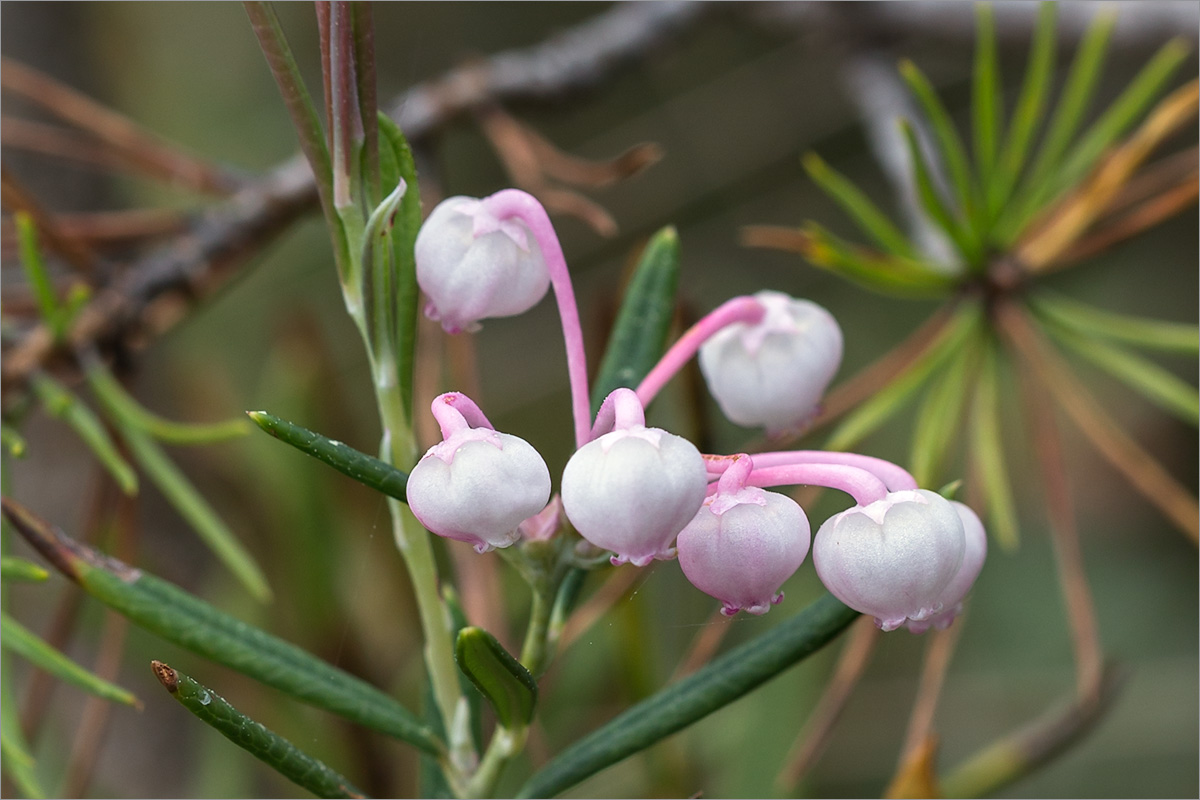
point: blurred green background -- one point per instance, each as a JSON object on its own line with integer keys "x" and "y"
{"x": 734, "y": 102}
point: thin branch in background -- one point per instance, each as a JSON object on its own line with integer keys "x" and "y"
{"x": 616, "y": 585}
{"x": 16, "y": 197}
{"x": 151, "y": 153}
{"x": 101, "y": 229}
{"x": 91, "y": 733}
{"x": 938, "y": 652}
{"x": 704, "y": 645}
{"x": 1145, "y": 473}
{"x": 814, "y": 736}
{"x": 1072, "y": 578}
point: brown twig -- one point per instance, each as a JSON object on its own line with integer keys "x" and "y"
{"x": 615, "y": 586}
{"x": 810, "y": 744}
{"x": 938, "y": 652}
{"x": 122, "y": 136}
{"x": 1110, "y": 440}
{"x": 1077, "y": 594}
{"x": 704, "y": 645}
{"x": 108, "y": 228}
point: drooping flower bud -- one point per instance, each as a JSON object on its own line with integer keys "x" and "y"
{"x": 477, "y": 485}
{"x": 893, "y": 558}
{"x": 743, "y": 543}
{"x": 958, "y": 588}
{"x": 473, "y": 265}
{"x": 773, "y": 373}
{"x": 634, "y": 488}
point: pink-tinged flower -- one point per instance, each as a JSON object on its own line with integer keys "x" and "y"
{"x": 743, "y": 543}
{"x": 477, "y": 485}
{"x": 958, "y": 588}
{"x": 773, "y": 372}
{"x": 634, "y": 488}
{"x": 893, "y": 558}
{"x": 473, "y": 265}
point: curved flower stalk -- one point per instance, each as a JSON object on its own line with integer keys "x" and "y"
{"x": 477, "y": 485}
{"x": 743, "y": 543}
{"x": 633, "y": 488}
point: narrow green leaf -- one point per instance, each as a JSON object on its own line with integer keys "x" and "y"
{"x": 191, "y": 505}
{"x": 1169, "y": 392}
{"x": 184, "y": 619}
{"x": 59, "y": 402}
{"x": 12, "y": 441}
{"x": 1029, "y": 110}
{"x": 16, "y": 762}
{"x": 857, "y": 205}
{"x": 639, "y": 335}
{"x": 508, "y": 686}
{"x": 938, "y": 418}
{"x": 714, "y": 686}
{"x": 1152, "y": 334}
{"x": 36, "y": 274}
{"x": 891, "y": 398}
{"x": 935, "y": 208}
{"x": 987, "y": 453}
{"x": 133, "y": 414}
{"x": 949, "y": 142}
{"x": 20, "y": 640}
{"x": 1081, "y": 82}
{"x": 253, "y": 737}
{"x": 365, "y": 469}
{"x": 881, "y": 273}
{"x": 986, "y": 96}
{"x": 18, "y": 569}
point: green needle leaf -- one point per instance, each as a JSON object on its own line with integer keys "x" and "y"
{"x": 16, "y": 762}
{"x": 36, "y": 275}
{"x": 891, "y": 398}
{"x": 640, "y": 332}
{"x": 986, "y": 96}
{"x": 1152, "y": 334}
{"x": 722, "y": 681}
{"x": 987, "y": 452}
{"x": 12, "y": 441}
{"x": 184, "y": 619}
{"x": 1169, "y": 392}
{"x": 932, "y": 203}
{"x": 18, "y": 569}
{"x": 365, "y": 469}
{"x": 203, "y": 518}
{"x": 508, "y": 686}
{"x": 59, "y": 402}
{"x": 937, "y": 421}
{"x": 133, "y": 414}
{"x": 253, "y": 737}
{"x": 864, "y": 213}
{"x": 20, "y": 640}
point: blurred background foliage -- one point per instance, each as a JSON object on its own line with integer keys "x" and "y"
{"x": 734, "y": 103}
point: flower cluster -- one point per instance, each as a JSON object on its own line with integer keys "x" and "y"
{"x": 905, "y": 555}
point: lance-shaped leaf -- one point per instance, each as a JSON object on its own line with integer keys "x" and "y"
{"x": 20, "y": 640}
{"x": 253, "y": 737}
{"x": 987, "y": 452}
{"x": 177, "y": 616}
{"x": 985, "y": 97}
{"x": 508, "y": 686}
{"x": 1152, "y": 334}
{"x": 714, "y": 686}
{"x": 891, "y": 398}
{"x": 937, "y": 421}
{"x": 70, "y": 409}
{"x": 864, "y": 213}
{"x": 18, "y": 569}
{"x": 16, "y": 762}
{"x": 639, "y": 335}
{"x": 365, "y": 469}
{"x": 959, "y": 231}
{"x": 132, "y": 414}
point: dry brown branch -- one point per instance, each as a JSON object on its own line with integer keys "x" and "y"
{"x": 108, "y": 228}
{"x": 121, "y": 135}
{"x": 938, "y": 652}
{"x": 1110, "y": 440}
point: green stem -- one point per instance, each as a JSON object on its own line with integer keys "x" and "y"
{"x": 534, "y": 652}
{"x": 504, "y": 745}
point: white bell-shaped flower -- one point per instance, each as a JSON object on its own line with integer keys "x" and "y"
{"x": 633, "y": 489}
{"x": 894, "y": 558}
{"x": 472, "y": 265}
{"x": 958, "y": 588}
{"x": 477, "y": 485}
{"x": 773, "y": 373}
{"x": 742, "y": 545}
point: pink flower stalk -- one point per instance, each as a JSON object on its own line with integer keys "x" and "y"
{"x": 744, "y": 543}
{"x": 477, "y": 485}
{"x": 895, "y": 477}
{"x": 865, "y": 487}
{"x": 739, "y": 309}
{"x": 893, "y": 558}
{"x": 633, "y": 488}
{"x": 958, "y": 588}
{"x": 773, "y": 371}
